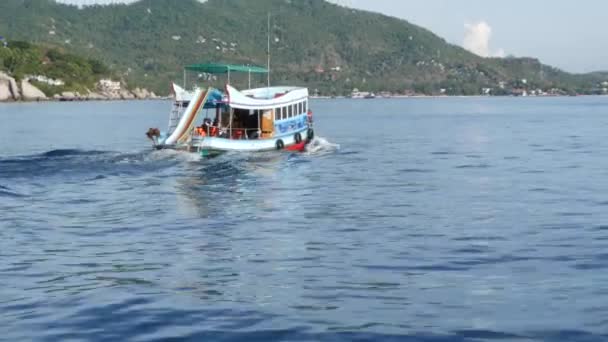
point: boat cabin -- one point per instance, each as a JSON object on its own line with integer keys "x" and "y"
{"x": 259, "y": 113}
{"x": 259, "y": 116}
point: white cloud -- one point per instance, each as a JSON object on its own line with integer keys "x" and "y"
{"x": 477, "y": 40}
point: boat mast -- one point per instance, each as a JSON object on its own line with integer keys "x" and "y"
{"x": 268, "y": 67}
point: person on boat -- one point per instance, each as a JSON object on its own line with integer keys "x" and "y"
{"x": 255, "y": 134}
{"x": 214, "y": 129}
{"x": 223, "y": 132}
{"x": 207, "y": 125}
{"x": 200, "y": 131}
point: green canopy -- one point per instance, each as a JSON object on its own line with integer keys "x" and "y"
{"x": 215, "y": 68}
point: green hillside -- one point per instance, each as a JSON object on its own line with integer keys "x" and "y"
{"x": 149, "y": 41}
{"x": 20, "y": 59}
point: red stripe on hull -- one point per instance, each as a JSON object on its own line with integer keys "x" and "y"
{"x": 297, "y": 147}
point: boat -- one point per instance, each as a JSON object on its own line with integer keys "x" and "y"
{"x": 211, "y": 121}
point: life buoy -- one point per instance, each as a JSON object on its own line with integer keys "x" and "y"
{"x": 310, "y": 134}
{"x": 298, "y": 138}
{"x": 280, "y": 144}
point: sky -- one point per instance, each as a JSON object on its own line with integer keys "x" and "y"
{"x": 571, "y": 35}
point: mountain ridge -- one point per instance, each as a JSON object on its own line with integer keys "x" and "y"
{"x": 314, "y": 43}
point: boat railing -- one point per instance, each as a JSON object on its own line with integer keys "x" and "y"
{"x": 176, "y": 114}
{"x": 234, "y": 133}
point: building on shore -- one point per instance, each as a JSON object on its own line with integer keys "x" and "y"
{"x": 44, "y": 79}
{"x": 109, "y": 86}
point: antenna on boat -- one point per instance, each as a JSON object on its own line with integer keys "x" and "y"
{"x": 268, "y": 67}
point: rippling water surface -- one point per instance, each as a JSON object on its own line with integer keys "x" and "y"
{"x": 413, "y": 219}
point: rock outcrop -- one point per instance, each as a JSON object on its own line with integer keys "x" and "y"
{"x": 5, "y": 90}
{"x": 10, "y": 91}
{"x": 69, "y": 96}
{"x": 8, "y": 88}
{"x": 30, "y": 92}
{"x": 141, "y": 93}
{"x": 95, "y": 97}
{"x": 14, "y": 89}
{"x": 126, "y": 95}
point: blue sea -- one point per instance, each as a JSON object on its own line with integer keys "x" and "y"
{"x": 445, "y": 219}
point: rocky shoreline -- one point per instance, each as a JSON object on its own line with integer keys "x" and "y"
{"x": 136, "y": 94}
{"x": 13, "y": 91}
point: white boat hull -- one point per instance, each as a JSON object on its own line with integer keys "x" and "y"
{"x": 245, "y": 145}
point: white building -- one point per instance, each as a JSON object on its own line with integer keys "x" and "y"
{"x": 44, "y": 79}
{"x": 108, "y": 85}
{"x": 356, "y": 94}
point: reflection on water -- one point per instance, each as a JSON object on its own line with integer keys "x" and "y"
{"x": 225, "y": 184}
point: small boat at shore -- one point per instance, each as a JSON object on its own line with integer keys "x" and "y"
{"x": 210, "y": 121}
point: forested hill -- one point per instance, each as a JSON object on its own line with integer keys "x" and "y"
{"x": 313, "y": 43}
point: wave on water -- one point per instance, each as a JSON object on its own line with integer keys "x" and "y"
{"x": 7, "y": 192}
{"x": 176, "y": 155}
{"x": 320, "y": 146}
{"x": 69, "y": 163}
{"x": 96, "y": 164}
{"x": 68, "y": 153}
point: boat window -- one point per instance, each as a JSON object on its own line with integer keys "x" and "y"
{"x": 277, "y": 114}
{"x": 300, "y": 108}
{"x": 291, "y": 110}
{"x": 284, "y": 116}
{"x": 305, "y": 105}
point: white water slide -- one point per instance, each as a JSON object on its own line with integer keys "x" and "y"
{"x": 188, "y": 119}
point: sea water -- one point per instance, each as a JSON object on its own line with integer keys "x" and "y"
{"x": 449, "y": 219}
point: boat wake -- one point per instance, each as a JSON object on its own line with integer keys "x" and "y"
{"x": 78, "y": 164}
{"x": 175, "y": 155}
{"x": 321, "y": 146}
{"x": 75, "y": 164}
{"x": 7, "y": 192}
